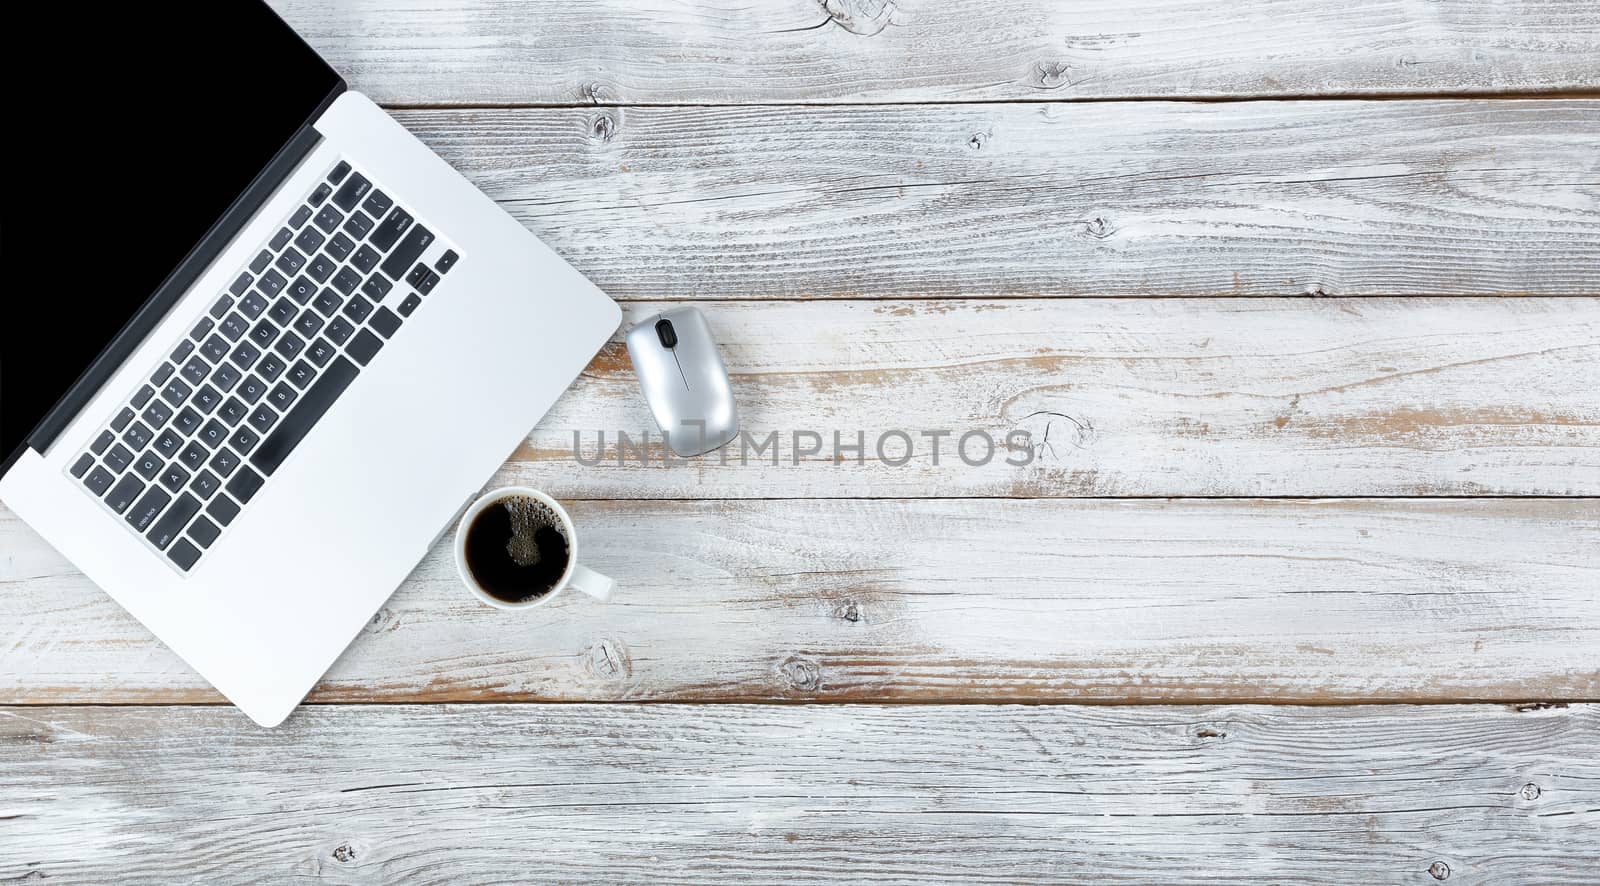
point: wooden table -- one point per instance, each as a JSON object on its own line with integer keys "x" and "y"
{"x": 1298, "y": 301}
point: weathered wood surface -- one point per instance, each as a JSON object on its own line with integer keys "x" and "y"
{"x": 802, "y": 794}
{"x": 725, "y": 52}
{"x": 952, "y": 600}
{"x": 1303, "y": 397}
{"x": 1116, "y": 199}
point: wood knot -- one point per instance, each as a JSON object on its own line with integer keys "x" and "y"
{"x": 801, "y": 674}
{"x": 603, "y": 128}
{"x": 1051, "y": 75}
{"x": 1099, "y": 228}
{"x": 848, "y": 612}
{"x": 864, "y": 18}
{"x": 381, "y": 621}
{"x": 1317, "y": 290}
{"x": 593, "y": 93}
{"x": 1530, "y": 791}
{"x": 608, "y": 659}
{"x": 1439, "y": 870}
{"x": 978, "y": 140}
{"x": 345, "y": 853}
{"x": 1209, "y": 732}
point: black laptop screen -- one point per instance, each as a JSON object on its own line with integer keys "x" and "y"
{"x": 131, "y": 128}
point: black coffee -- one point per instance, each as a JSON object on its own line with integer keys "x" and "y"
{"x": 517, "y": 549}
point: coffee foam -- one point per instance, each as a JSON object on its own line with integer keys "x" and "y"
{"x": 528, "y": 516}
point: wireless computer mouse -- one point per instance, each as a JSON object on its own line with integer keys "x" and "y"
{"x": 684, "y": 381}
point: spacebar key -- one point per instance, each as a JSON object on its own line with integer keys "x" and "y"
{"x": 298, "y": 422}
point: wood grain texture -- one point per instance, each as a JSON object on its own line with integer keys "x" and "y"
{"x": 1305, "y": 397}
{"x": 939, "y": 600}
{"x": 802, "y": 794}
{"x": 1116, "y": 199}
{"x": 724, "y": 52}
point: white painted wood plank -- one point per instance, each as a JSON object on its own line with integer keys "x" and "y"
{"x": 719, "y": 51}
{"x": 1123, "y": 397}
{"x": 1141, "y": 198}
{"x": 802, "y": 794}
{"x": 860, "y": 600}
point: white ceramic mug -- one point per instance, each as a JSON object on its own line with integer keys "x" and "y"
{"x": 578, "y": 577}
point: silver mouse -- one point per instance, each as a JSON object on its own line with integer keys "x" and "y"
{"x": 684, "y": 381}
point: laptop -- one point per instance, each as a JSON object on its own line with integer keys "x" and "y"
{"x": 260, "y": 344}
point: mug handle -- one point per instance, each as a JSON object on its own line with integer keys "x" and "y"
{"x": 590, "y": 582}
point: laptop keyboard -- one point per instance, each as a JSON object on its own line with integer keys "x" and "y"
{"x": 194, "y": 444}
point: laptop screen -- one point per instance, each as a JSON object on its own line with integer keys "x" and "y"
{"x": 148, "y": 121}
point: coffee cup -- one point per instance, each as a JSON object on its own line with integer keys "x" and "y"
{"x": 516, "y": 548}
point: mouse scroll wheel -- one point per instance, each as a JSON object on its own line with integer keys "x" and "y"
{"x": 665, "y": 332}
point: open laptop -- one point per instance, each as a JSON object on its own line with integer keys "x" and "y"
{"x": 259, "y": 343}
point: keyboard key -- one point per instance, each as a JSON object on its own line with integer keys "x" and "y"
{"x": 346, "y": 280}
{"x": 428, "y": 282}
{"x": 281, "y": 312}
{"x": 377, "y": 203}
{"x": 182, "y": 351}
{"x": 321, "y": 267}
{"x": 213, "y": 434}
{"x": 244, "y": 484}
{"x": 290, "y": 262}
{"x": 339, "y": 330}
{"x": 328, "y": 219}
{"x": 122, "y": 419}
{"x": 225, "y": 377}
{"x": 376, "y": 287}
{"x": 252, "y": 389}
{"x": 156, "y": 414}
{"x": 234, "y": 326}
{"x": 205, "y": 484}
{"x": 118, "y": 457}
{"x": 409, "y": 305}
{"x": 271, "y": 283}
{"x": 290, "y": 345}
{"x": 339, "y": 171}
{"x": 252, "y": 305}
{"x": 301, "y": 289}
{"x": 241, "y": 283}
{"x": 148, "y": 465}
{"x": 271, "y": 367}
{"x": 82, "y": 465}
{"x": 172, "y": 522}
{"x": 308, "y": 323}
{"x": 365, "y": 259}
{"x": 220, "y": 307}
{"x": 145, "y": 392}
{"x": 138, "y": 436}
{"x": 184, "y": 554}
{"x": 319, "y": 195}
{"x": 174, "y": 477}
{"x": 298, "y": 422}
{"x": 144, "y": 513}
{"x": 260, "y": 262}
{"x": 386, "y": 322}
{"x": 364, "y": 346}
{"x": 99, "y": 480}
{"x": 222, "y": 509}
{"x": 244, "y": 439}
{"x": 233, "y": 411}
{"x": 193, "y": 456}
{"x": 339, "y": 247}
{"x": 100, "y": 443}
{"x": 417, "y": 274}
{"x": 301, "y": 374}
{"x": 409, "y": 250}
{"x": 206, "y": 399}
{"x": 320, "y": 352}
{"x": 200, "y": 329}
{"x": 281, "y": 396}
{"x": 446, "y": 261}
{"x": 357, "y": 308}
{"x": 123, "y": 494}
{"x": 187, "y": 421}
{"x": 162, "y": 373}
{"x": 224, "y": 461}
{"x": 264, "y": 332}
{"x": 244, "y": 355}
{"x": 351, "y": 192}
{"x": 215, "y": 349}
{"x": 280, "y": 239}
{"x": 167, "y": 443}
{"x": 390, "y": 229}
{"x": 358, "y": 224}
{"x": 327, "y": 302}
{"x": 176, "y": 392}
{"x": 204, "y": 532}
{"x": 263, "y": 419}
{"x": 196, "y": 370}
{"x": 300, "y": 217}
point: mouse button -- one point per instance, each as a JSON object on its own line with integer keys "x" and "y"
{"x": 665, "y": 332}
